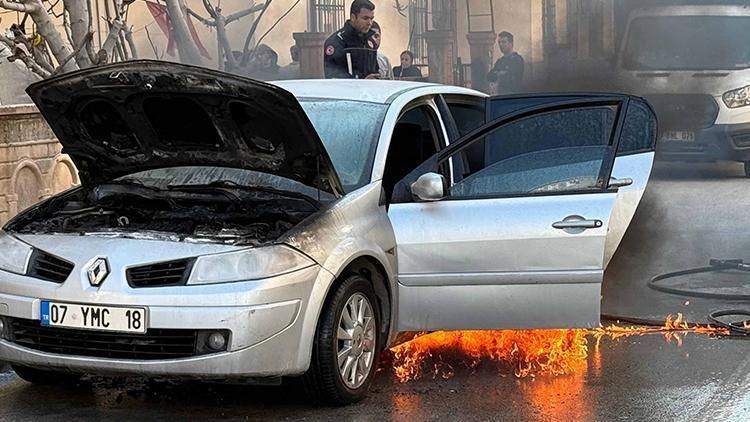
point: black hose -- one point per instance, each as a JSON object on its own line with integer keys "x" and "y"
{"x": 715, "y": 265}
{"x": 732, "y": 327}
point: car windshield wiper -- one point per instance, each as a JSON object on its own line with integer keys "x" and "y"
{"x": 131, "y": 182}
{"x": 229, "y": 184}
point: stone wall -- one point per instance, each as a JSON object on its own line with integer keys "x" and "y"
{"x": 31, "y": 165}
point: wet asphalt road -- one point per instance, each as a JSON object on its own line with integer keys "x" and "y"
{"x": 691, "y": 212}
{"x": 634, "y": 379}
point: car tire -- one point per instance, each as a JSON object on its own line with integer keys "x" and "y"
{"x": 324, "y": 382}
{"x": 747, "y": 168}
{"x": 43, "y": 377}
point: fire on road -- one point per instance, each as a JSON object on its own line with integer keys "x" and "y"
{"x": 524, "y": 353}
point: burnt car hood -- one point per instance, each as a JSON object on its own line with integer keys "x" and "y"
{"x": 127, "y": 117}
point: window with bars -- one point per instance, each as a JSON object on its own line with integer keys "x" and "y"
{"x": 418, "y": 24}
{"x": 426, "y": 15}
{"x": 327, "y": 15}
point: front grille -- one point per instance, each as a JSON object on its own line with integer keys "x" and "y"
{"x": 48, "y": 267}
{"x": 163, "y": 274}
{"x": 154, "y": 345}
{"x": 684, "y": 111}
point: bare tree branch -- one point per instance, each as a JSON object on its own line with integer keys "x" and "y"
{"x": 77, "y": 50}
{"x": 249, "y": 38}
{"x": 111, "y": 42}
{"x": 276, "y": 23}
{"x": 78, "y": 14}
{"x": 200, "y": 18}
{"x": 185, "y": 45}
{"x": 150, "y": 41}
{"x": 242, "y": 13}
{"x": 18, "y": 7}
{"x": 66, "y": 25}
{"x": 20, "y": 53}
{"x": 131, "y": 43}
{"x": 400, "y": 9}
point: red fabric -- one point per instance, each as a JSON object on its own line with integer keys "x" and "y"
{"x": 197, "y": 40}
{"x": 161, "y": 17}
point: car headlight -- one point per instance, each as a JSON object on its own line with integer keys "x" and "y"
{"x": 14, "y": 254}
{"x": 248, "y": 264}
{"x": 737, "y": 98}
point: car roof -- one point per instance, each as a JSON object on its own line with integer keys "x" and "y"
{"x": 375, "y": 91}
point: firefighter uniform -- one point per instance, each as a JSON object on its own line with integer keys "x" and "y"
{"x": 348, "y": 49}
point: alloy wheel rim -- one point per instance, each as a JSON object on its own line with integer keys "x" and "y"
{"x": 356, "y": 339}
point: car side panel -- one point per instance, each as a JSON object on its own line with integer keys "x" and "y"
{"x": 356, "y": 226}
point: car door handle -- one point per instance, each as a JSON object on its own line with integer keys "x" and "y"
{"x": 619, "y": 183}
{"x": 578, "y": 224}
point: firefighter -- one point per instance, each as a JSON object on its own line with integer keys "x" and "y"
{"x": 350, "y": 52}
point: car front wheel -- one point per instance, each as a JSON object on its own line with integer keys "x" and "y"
{"x": 345, "y": 350}
{"x": 747, "y": 168}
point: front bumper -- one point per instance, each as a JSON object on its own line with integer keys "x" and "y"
{"x": 267, "y": 320}
{"x": 719, "y": 142}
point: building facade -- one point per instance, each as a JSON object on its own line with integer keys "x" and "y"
{"x": 32, "y": 166}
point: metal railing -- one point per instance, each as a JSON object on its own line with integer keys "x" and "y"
{"x": 326, "y": 15}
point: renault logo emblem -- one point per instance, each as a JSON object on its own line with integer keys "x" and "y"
{"x": 98, "y": 271}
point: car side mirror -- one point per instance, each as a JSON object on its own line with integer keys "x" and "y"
{"x": 430, "y": 187}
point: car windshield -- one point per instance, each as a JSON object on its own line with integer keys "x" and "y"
{"x": 349, "y": 130}
{"x": 688, "y": 43}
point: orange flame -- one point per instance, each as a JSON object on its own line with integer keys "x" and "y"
{"x": 524, "y": 352}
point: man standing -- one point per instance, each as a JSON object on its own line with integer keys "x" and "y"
{"x": 508, "y": 70}
{"x": 384, "y": 65}
{"x": 350, "y": 52}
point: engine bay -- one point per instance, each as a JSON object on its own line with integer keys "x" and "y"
{"x": 201, "y": 213}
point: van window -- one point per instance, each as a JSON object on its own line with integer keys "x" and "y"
{"x": 688, "y": 43}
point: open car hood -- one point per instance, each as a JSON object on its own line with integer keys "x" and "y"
{"x": 128, "y": 117}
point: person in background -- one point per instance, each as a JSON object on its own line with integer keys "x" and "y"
{"x": 384, "y": 65}
{"x": 265, "y": 65}
{"x": 350, "y": 52}
{"x": 292, "y": 70}
{"x": 407, "y": 70}
{"x": 508, "y": 70}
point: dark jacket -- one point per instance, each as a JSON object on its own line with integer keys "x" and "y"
{"x": 508, "y": 73}
{"x": 409, "y": 72}
{"x": 348, "y": 41}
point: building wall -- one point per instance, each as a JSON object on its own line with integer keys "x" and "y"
{"x": 31, "y": 164}
{"x": 522, "y": 18}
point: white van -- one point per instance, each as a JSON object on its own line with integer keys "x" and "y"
{"x": 692, "y": 63}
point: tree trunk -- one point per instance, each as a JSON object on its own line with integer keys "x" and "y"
{"x": 46, "y": 28}
{"x": 79, "y": 25}
{"x": 187, "y": 49}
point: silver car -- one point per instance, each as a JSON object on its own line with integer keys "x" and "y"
{"x": 231, "y": 229}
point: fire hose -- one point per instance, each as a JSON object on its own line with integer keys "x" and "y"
{"x": 715, "y": 265}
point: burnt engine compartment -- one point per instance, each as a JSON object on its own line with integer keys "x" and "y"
{"x": 219, "y": 215}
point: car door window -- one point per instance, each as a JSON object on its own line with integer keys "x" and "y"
{"x": 415, "y": 138}
{"x": 555, "y": 152}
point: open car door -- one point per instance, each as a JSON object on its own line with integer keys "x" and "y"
{"x": 534, "y": 204}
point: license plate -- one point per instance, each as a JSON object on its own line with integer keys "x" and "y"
{"x": 679, "y": 136}
{"x": 99, "y": 318}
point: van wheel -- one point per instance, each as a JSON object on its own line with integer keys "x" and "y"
{"x": 346, "y": 347}
{"x": 747, "y": 168}
{"x": 43, "y": 377}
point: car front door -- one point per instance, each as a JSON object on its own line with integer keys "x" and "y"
{"x": 519, "y": 239}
